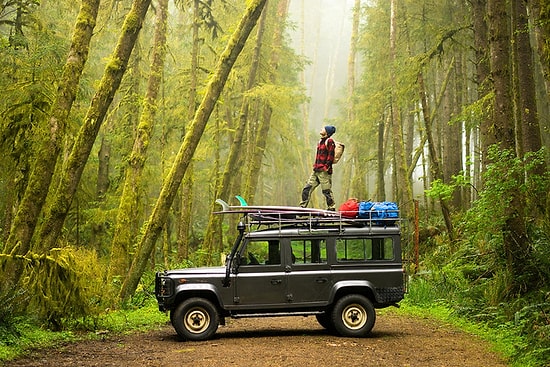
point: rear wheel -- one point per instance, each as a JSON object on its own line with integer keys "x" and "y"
{"x": 353, "y": 316}
{"x": 195, "y": 319}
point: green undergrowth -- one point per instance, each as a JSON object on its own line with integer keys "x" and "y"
{"x": 506, "y": 338}
{"x": 501, "y": 341}
{"x": 26, "y": 334}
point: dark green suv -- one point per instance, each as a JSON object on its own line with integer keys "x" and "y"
{"x": 291, "y": 264}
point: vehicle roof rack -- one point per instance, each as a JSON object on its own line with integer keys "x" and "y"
{"x": 290, "y": 216}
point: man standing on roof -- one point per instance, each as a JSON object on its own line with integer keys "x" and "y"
{"x": 322, "y": 169}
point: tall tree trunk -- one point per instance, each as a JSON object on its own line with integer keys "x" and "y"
{"x": 186, "y": 206}
{"x": 479, "y": 9}
{"x": 103, "y": 157}
{"x": 531, "y": 138}
{"x": 305, "y": 106}
{"x": 435, "y": 163}
{"x": 190, "y": 143}
{"x": 126, "y": 219}
{"x": 72, "y": 171}
{"x": 351, "y": 105}
{"x": 25, "y": 220}
{"x": 500, "y": 55}
{"x": 516, "y": 246}
{"x": 404, "y": 188}
{"x": 452, "y": 136}
{"x": 260, "y": 143}
{"x": 231, "y": 164}
{"x": 351, "y": 108}
{"x": 381, "y": 167}
{"x": 99, "y": 229}
{"x": 540, "y": 12}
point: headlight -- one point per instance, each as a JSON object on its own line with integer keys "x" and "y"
{"x": 163, "y": 287}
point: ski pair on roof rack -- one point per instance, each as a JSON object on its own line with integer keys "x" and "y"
{"x": 244, "y": 208}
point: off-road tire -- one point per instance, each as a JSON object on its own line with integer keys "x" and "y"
{"x": 353, "y": 316}
{"x": 195, "y": 319}
{"x": 325, "y": 320}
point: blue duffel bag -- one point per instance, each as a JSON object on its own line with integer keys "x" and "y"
{"x": 385, "y": 213}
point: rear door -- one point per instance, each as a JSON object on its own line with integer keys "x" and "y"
{"x": 309, "y": 279}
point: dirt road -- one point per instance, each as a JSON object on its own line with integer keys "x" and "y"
{"x": 290, "y": 341}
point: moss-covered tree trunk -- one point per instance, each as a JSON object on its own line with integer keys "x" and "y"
{"x": 252, "y": 108}
{"x": 190, "y": 143}
{"x": 529, "y": 124}
{"x": 402, "y": 184}
{"x": 126, "y": 220}
{"x": 435, "y": 162}
{"x": 451, "y": 139}
{"x": 186, "y": 208}
{"x": 351, "y": 107}
{"x": 380, "y": 163}
{"x": 529, "y": 120}
{"x": 480, "y": 26}
{"x": 24, "y": 223}
{"x": 260, "y": 143}
{"x": 540, "y": 13}
{"x": 73, "y": 168}
{"x": 516, "y": 245}
{"x": 224, "y": 186}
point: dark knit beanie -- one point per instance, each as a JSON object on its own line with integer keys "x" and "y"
{"x": 330, "y": 130}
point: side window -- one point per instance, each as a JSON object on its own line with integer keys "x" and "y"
{"x": 261, "y": 253}
{"x": 364, "y": 249}
{"x": 311, "y": 251}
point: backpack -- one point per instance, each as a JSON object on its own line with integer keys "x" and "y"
{"x": 338, "y": 151}
{"x": 349, "y": 208}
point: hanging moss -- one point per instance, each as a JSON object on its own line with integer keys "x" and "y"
{"x": 62, "y": 284}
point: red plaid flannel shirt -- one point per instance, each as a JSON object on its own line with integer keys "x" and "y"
{"x": 324, "y": 156}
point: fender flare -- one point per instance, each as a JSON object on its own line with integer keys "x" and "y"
{"x": 355, "y": 284}
{"x": 198, "y": 290}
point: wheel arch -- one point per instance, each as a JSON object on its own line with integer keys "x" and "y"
{"x": 205, "y": 291}
{"x": 342, "y": 289}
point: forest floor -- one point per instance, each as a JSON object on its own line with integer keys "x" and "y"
{"x": 396, "y": 340}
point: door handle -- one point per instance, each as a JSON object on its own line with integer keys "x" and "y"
{"x": 276, "y": 281}
{"x": 321, "y": 280}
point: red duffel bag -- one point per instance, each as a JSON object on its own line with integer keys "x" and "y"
{"x": 349, "y": 208}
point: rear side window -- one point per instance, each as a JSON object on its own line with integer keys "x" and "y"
{"x": 364, "y": 249}
{"x": 312, "y": 251}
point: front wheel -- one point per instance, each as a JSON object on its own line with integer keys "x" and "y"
{"x": 353, "y": 316}
{"x": 325, "y": 320}
{"x": 195, "y": 319}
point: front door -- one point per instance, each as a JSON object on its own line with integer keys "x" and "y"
{"x": 261, "y": 278}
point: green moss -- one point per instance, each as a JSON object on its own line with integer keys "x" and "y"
{"x": 132, "y": 23}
